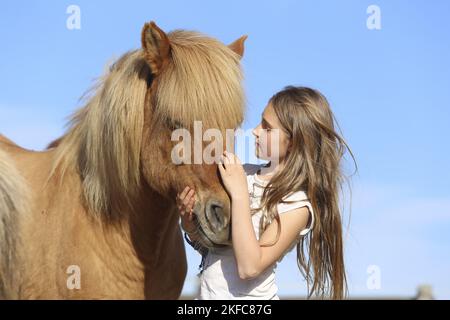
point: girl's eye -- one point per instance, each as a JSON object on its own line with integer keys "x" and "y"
{"x": 264, "y": 126}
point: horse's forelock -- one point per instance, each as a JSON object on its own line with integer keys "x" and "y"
{"x": 202, "y": 82}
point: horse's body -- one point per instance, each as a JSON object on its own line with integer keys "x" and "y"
{"x": 98, "y": 206}
{"x": 57, "y": 233}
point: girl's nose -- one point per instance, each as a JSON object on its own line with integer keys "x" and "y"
{"x": 255, "y": 131}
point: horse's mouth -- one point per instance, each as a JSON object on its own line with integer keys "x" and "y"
{"x": 199, "y": 227}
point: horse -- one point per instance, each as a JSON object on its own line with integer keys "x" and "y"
{"x": 94, "y": 215}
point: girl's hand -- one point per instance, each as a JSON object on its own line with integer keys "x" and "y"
{"x": 185, "y": 202}
{"x": 233, "y": 175}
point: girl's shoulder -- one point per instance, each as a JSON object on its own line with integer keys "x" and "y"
{"x": 296, "y": 196}
{"x": 294, "y": 200}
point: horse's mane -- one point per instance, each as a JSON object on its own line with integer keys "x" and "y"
{"x": 14, "y": 204}
{"x": 201, "y": 82}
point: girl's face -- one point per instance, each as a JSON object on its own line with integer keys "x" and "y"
{"x": 271, "y": 140}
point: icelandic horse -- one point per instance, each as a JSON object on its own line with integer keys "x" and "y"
{"x": 100, "y": 203}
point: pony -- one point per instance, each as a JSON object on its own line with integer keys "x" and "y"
{"x": 94, "y": 215}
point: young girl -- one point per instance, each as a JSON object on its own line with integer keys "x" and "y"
{"x": 292, "y": 200}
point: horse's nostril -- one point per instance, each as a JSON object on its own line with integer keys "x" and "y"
{"x": 218, "y": 211}
{"x": 216, "y": 207}
{"x": 215, "y": 216}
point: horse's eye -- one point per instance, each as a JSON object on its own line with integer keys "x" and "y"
{"x": 174, "y": 124}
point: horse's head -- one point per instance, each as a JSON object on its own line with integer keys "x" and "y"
{"x": 193, "y": 78}
{"x": 124, "y": 133}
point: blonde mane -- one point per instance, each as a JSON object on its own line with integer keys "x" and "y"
{"x": 201, "y": 82}
{"x": 14, "y": 204}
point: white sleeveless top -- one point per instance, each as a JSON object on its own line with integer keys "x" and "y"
{"x": 220, "y": 279}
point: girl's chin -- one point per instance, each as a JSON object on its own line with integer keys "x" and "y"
{"x": 259, "y": 155}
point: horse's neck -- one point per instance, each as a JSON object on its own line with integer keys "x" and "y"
{"x": 143, "y": 244}
{"x": 152, "y": 226}
{"x": 158, "y": 245}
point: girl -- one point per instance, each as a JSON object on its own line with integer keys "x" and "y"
{"x": 292, "y": 200}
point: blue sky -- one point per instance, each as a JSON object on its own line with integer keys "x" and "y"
{"x": 389, "y": 89}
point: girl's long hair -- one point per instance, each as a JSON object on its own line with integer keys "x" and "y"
{"x": 313, "y": 165}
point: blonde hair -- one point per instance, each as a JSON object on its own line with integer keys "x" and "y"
{"x": 14, "y": 204}
{"x": 312, "y": 165}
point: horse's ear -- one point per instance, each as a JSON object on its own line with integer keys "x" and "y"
{"x": 238, "y": 46}
{"x": 156, "y": 46}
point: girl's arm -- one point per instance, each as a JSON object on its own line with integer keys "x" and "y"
{"x": 251, "y": 258}
{"x": 245, "y": 245}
